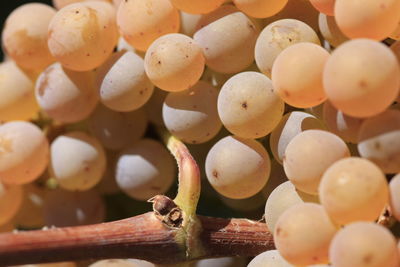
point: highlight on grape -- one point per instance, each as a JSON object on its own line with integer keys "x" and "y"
{"x": 291, "y": 109}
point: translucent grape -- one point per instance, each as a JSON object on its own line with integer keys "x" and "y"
{"x": 197, "y": 6}
{"x": 24, "y": 152}
{"x": 124, "y": 85}
{"x": 379, "y": 140}
{"x": 237, "y": 168}
{"x": 24, "y": 35}
{"x": 297, "y": 75}
{"x": 66, "y": 96}
{"x": 17, "y": 101}
{"x": 309, "y": 154}
{"x": 340, "y": 124}
{"x": 369, "y": 84}
{"x": 270, "y": 258}
{"x": 124, "y": 46}
{"x": 260, "y": 8}
{"x": 353, "y": 189}
{"x": 228, "y": 43}
{"x": 330, "y": 30}
{"x": 145, "y": 169}
{"x": 116, "y": 130}
{"x": 396, "y": 33}
{"x": 143, "y": 21}
{"x": 303, "y": 233}
{"x": 174, "y": 62}
{"x": 394, "y": 188}
{"x": 154, "y": 106}
{"x": 276, "y": 177}
{"x": 324, "y": 6}
{"x": 58, "y": 4}
{"x": 10, "y": 201}
{"x": 290, "y": 125}
{"x": 108, "y": 185}
{"x": 7, "y": 227}
{"x": 192, "y": 115}
{"x": 77, "y": 161}
{"x": 277, "y": 36}
{"x": 217, "y": 14}
{"x": 373, "y": 19}
{"x": 65, "y": 208}
{"x": 281, "y": 198}
{"x": 82, "y": 36}
{"x": 30, "y": 215}
{"x": 364, "y": 244}
{"x": 248, "y": 106}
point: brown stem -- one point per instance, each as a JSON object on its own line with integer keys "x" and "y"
{"x": 142, "y": 237}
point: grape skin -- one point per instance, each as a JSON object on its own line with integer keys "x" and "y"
{"x": 237, "y": 168}
{"x": 394, "y": 189}
{"x": 364, "y": 244}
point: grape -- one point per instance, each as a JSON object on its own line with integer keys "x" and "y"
{"x": 301, "y": 10}
{"x": 277, "y": 36}
{"x": 396, "y": 33}
{"x": 30, "y": 215}
{"x": 174, "y": 62}
{"x": 114, "y": 263}
{"x": 65, "y": 208}
{"x": 153, "y": 107}
{"x": 215, "y": 15}
{"x": 124, "y": 46}
{"x": 237, "y": 168}
{"x": 270, "y": 258}
{"x": 58, "y": 4}
{"x": 7, "y": 227}
{"x": 82, "y": 36}
{"x": 260, "y": 8}
{"x": 309, "y": 154}
{"x": 24, "y": 152}
{"x": 330, "y": 30}
{"x": 197, "y": 6}
{"x": 59, "y": 264}
{"x": 297, "y": 74}
{"x": 143, "y": 21}
{"x": 192, "y": 115}
{"x": 394, "y": 188}
{"x": 25, "y": 35}
{"x": 340, "y": 124}
{"x": 17, "y": 101}
{"x": 353, "y": 189}
{"x": 295, "y": 234}
{"x": 116, "y": 130}
{"x": 379, "y": 140}
{"x": 108, "y": 185}
{"x": 66, "y": 96}
{"x": 145, "y": 169}
{"x": 222, "y": 262}
{"x": 290, "y": 125}
{"x": 228, "y": 43}
{"x": 373, "y": 19}
{"x": 77, "y": 161}
{"x": 248, "y": 106}
{"x": 364, "y": 244}
{"x": 189, "y": 23}
{"x": 124, "y": 85}
{"x": 281, "y": 198}
{"x": 324, "y": 6}
{"x": 369, "y": 84}
{"x": 10, "y": 201}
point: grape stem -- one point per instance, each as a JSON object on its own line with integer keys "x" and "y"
{"x": 172, "y": 233}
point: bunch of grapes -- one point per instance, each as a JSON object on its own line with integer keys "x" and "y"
{"x": 291, "y": 104}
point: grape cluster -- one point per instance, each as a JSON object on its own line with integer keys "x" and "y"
{"x": 291, "y": 104}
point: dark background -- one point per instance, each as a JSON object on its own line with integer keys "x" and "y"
{"x": 7, "y": 6}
